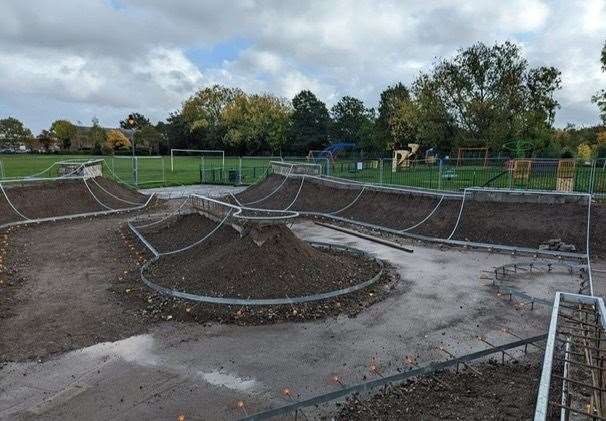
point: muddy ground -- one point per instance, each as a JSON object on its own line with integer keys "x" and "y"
{"x": 494, "y": 391}
{"x": 515, "y": 224}
{"x": 71, "y": 284}
{"x": 87, "y": 272}
{"x": 58, "y": 295}
{"x": 56, "y": 283}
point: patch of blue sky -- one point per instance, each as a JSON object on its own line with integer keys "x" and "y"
{"x": 115, "y": 4}
{"x": 215, "y": 55}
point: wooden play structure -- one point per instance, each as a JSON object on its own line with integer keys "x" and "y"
{"x": 402, "y": 157}
{"x": 520, "y": 170}
{"x": 565, "y": 172}
{"x": 566, "y": 175}
{"x": 480, "y": 154}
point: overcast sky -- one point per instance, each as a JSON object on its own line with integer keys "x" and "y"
{"x": 77, "y": 59}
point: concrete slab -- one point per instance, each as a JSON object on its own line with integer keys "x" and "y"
{"x": 203, "y": 371}
{"x": 210, "y": 190}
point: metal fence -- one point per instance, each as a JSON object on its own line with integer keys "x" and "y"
{"x": 447, "y": 174}
{"x": 442, "y": 174}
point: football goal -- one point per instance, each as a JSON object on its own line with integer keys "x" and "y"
{"x": 139, "y": 170}
{"x": 184, "y": 159}
{"x": 472, "y": 156}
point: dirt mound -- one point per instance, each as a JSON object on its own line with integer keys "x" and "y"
{"x": 51, "y": 198}
{"x": 65, "y": 197}
{"x": 268, "y": 261}
{"x": 261, "y": 190}
{"x": 512, "y": 224}
{"x": 183, "y": 230}
{"x": 115, "y": 195}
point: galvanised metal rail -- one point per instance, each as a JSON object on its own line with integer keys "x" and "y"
{"x": 449, "y": 240}
{"x": 27, "y": 221}
{"x": 505, "y": 270}
{"x": 394, "y": 379}
{"x": 250, "y": 302}
{"x": 567, "y": 329}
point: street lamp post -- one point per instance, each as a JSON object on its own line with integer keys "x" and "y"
{"x": 131, "y": 123}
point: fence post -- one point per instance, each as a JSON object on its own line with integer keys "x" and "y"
{"x": 592, "y": 176}
{"x": 239, "y": 170}
{"x": 203, "y": 175}
{"x": 135, "y": 171}
{"x": 381, "y": 171}
{"x": 440, "y": 174}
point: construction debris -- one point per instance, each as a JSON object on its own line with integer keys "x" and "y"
{"x": 558, "y": 245}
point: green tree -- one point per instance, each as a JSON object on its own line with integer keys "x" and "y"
{"x": 309, "y": 123}
{"x": 256, "y": 123}
{"x": 202, "y": 112}
{"x": 46, "y": 139}
{"x": 491, "y": 96}
{"x": 435, "y": 127}
{"x": 404, "y": 123}
{"x": 64, "y": 132}
{"x": 139, "y": 121}
{"x": 391, "y": 99}
{"x": 148, "y": 138}
{"x": 600, "y": 97}
{"x": 96, "y": 136}
{"x": 175, "y": 133}
{"x": 352, "y": 122}
{"x": 13, "y": 133}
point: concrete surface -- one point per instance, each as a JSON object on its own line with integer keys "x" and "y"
{"x": 203, "y": 371}
{"x": 209, "y": 190}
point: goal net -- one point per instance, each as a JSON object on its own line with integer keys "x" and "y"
{"x": 291, "y": 168}
{"x": 190, "y": 159}
{"x": 139, "y": 170}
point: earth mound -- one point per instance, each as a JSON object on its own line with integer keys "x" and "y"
{"x": 62, "y": 197}
{"x": 265, "y": 261}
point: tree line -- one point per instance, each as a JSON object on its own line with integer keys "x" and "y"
{"x": 484, "y": 96}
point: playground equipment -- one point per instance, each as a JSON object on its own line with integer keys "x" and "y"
{"x": 430, "y": 156}
{"x": 566, "y": 175}
{"x": 479, "y": 153}
{"x": 330, "y": 152}
{"x": 520, "y": 170}
{"x": 519, "y": 148}
{"x": 402, "y": 157}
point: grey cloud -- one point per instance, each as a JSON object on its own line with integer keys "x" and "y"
{"x": 87, "y": 56}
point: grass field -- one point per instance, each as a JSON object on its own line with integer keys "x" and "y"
{"x": 452, "y": 177}
{"x": 156, "y": 171}
{"x": 152, "y": 171}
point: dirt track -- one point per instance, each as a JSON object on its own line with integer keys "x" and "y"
{"x": 515, "y": 224}
{"x": 61, "y": 299}
{"x": 72, "y": 284}
{"x": 57, "y": 280}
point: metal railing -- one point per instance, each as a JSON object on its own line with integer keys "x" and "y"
{"x": 574, "y": 356}
{"x": 436, "y": 174}
{"x": 452, "y": 174}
